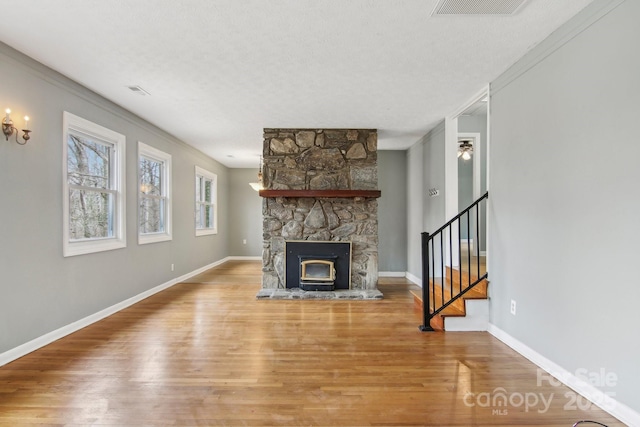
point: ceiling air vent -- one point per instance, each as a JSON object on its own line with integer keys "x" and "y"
{"x": 477, "y": 7}
{"x": 138, "y": 90}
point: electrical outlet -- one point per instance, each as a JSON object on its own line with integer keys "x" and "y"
{"x": 244, "y": 241}
{"x": 513, "y": 307}
{"x": 172, "y": 267}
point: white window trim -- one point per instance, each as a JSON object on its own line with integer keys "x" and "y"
{"x": 162, "y": 157}
{"x": 214, "y": 198}
{"x": 119, "y": 240}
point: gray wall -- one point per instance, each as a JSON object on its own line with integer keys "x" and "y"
{"x": 564, "y": 200}
{"x": 392, "y": 210}
{"x": 245, "y": 222}
{"x": 415, "y": 200}
{"x": 465, "y": 193}
{"x": 434, "y": 216}
{"x": 465, "y": 186}
{"x": 40, "y": 289}
{"x": 425, "y": 170}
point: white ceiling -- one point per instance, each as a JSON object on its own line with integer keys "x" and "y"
{"x": 219, "y": 71}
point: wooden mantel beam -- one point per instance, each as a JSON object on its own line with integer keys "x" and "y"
{"x": 320, "y": 193}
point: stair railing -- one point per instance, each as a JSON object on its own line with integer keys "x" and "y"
{"x": 439, "y": 251}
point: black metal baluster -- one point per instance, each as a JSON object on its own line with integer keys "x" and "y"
{"x": 459, "y": 256}
{"x": 468, "y": 249}
{"x": 450, "y": 262}
{"x": 477, "y": 244}
{"x": 442, "y": 283}
{"x": 433, "y": 273}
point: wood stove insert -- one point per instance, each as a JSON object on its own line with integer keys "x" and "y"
{"x": 318, "y": 266}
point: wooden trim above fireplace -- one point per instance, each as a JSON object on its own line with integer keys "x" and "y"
{"x": 320, "y": 193}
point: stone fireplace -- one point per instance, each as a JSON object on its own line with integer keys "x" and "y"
{"x": 320, "y": 185}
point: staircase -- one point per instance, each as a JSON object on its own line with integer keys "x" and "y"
{"x": 454, "y": 275}
{"x": 467, "y": 313}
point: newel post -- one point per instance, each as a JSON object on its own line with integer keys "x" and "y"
{"x": 426, "y": 325}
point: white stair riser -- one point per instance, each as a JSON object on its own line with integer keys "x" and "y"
{"x": 476, "y": 319}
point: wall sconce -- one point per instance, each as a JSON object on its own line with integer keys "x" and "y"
{"x": 8, "y": 129}
{"x": 258, "y": 185}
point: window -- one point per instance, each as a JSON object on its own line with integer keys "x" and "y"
{"x": 206, "y": 202}
{"x": 154, "y": 202}
{"x": 94, "y": 176}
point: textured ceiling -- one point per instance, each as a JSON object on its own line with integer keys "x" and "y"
{"x": 219, "y": 71}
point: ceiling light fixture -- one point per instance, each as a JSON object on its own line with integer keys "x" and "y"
{"x": 257, "y": 186}
{"x": 465, "y": 149}
{"x": 8, "y": 129}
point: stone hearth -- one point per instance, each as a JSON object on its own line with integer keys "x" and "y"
{"x": 296, "y": 293}
{"x": 328, "y": 161}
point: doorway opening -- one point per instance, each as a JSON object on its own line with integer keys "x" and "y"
{"x": 466, "y": 177}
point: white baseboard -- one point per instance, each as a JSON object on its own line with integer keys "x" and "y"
{"x": 392, "y": 274}
{"x": 48, "y": 338}
{"x": 414, "y": 279}
{"x": 583, "y": 388}
{"x": 243, "y": 258}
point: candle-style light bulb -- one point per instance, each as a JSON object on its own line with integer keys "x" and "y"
{"x": 8, "y": 116}
{"x": 26, "y": 122}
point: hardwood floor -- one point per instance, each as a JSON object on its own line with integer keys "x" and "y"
{"x": 207, "y": 353}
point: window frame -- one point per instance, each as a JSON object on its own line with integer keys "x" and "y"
{"x": 117, "y": 165}
{"x": 154, "y": 154}
{"x": 205, "y": 174}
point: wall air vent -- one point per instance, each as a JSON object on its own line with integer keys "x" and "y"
{"x": 477, "y": 7}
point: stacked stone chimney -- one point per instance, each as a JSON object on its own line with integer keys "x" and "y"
{"x": 320, "y": 159}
